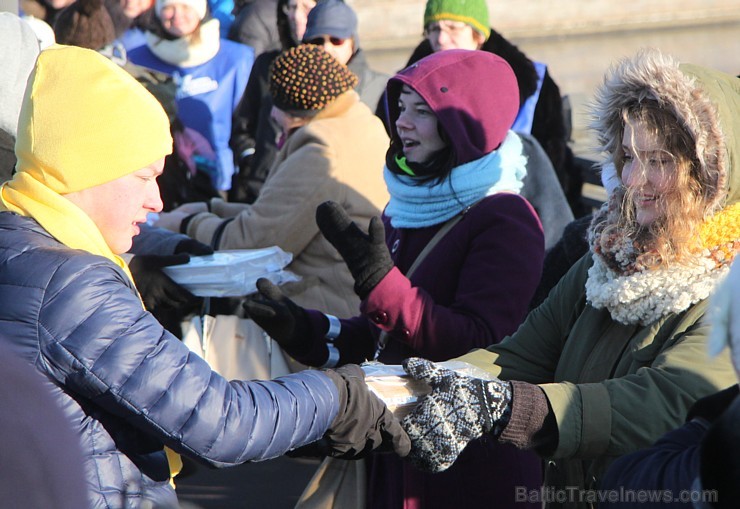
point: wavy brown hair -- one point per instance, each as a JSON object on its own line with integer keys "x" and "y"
{"x": 674, "y": 236}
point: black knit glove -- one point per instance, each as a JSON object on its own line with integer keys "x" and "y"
{"x": 459, "y": 409}
{"x": 366, "y": 255}
{"x": 156, "y": 288}
{"x": 193, "y": 247}
{"x": 363, "y": 423}
{"x": 284, "y": 320}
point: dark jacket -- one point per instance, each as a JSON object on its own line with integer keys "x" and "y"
{"x": 7, "y": 155}
{"x": 41, "y": 463}
{"x": 256, "y": 25}
{"x": 126, "y": 385}
{"x": 254, "y": 132}
{"x": 671, "y": 466}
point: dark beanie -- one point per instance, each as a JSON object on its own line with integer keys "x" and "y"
{"x": 333, "y": 18}
{"x": 307, "y": 78}
{"x": 85, "y": 23}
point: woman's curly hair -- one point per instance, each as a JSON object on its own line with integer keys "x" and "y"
{"x": 685, "y": 204}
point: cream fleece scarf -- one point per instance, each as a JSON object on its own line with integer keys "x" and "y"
{"x": 187, "y": 51}
{"x": 643, "y": 297}
{"x": 64, "y": 220}
{"x": 637, "y": 295}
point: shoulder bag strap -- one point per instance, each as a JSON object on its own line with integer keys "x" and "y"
{"x": 383, "y": 338}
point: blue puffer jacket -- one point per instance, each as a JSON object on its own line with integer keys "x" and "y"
{"x": 127, "y": 386}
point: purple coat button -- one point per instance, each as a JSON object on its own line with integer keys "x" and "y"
{"x": 379, "y": 317}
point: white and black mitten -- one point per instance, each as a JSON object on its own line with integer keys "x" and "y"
{"x": 459, "y": 409}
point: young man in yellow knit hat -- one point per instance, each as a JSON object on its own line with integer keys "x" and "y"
{"x": 91, "y": 143}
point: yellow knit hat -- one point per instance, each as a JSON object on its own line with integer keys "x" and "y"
{"x": 84, "y": 121}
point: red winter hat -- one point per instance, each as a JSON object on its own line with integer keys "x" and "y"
{"x": 474, "y": 95}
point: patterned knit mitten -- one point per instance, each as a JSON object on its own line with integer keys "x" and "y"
{"x": 459, "y": 409}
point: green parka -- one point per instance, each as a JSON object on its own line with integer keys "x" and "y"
{"x": 615, "y": 388}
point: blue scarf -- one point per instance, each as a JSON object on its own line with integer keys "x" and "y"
{"x": 414, "y": 205}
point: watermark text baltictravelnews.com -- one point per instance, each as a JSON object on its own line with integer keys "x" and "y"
{"x": 577, "y": 494}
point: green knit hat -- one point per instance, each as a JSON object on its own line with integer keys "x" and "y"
{"x": 472, "y": 12}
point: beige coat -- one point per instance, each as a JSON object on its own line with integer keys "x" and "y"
{"x": 339, "y": 156}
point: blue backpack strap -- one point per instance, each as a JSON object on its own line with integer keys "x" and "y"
{"x": 525, "y": 117}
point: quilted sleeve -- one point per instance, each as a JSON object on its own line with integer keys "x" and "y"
{"x": 102, "y": 345}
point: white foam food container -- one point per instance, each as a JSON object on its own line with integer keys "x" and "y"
{"x": 232, "y": 273}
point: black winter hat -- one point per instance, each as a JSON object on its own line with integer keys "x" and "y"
{"x": 307, "y": 78}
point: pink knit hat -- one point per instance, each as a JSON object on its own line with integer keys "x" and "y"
{"x": 474, "y": 95}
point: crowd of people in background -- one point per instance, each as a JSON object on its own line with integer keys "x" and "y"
{"x": 434, "y": 214}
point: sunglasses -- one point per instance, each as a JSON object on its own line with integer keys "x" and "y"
{"x": 320, "y": 41}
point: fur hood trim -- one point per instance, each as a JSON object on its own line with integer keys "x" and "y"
{"x": 697, "y": 97}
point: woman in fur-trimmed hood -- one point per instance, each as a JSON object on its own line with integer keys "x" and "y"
{"x": 645, "y": 269}
{"x": 617, "y": 353}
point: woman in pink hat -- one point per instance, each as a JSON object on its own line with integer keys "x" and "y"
{"x": 453, "y": 166}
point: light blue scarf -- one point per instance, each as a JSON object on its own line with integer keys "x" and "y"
{"x": 414, "y": 205}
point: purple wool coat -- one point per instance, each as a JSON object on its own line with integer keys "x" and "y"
{"x": 471, "y": 291}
